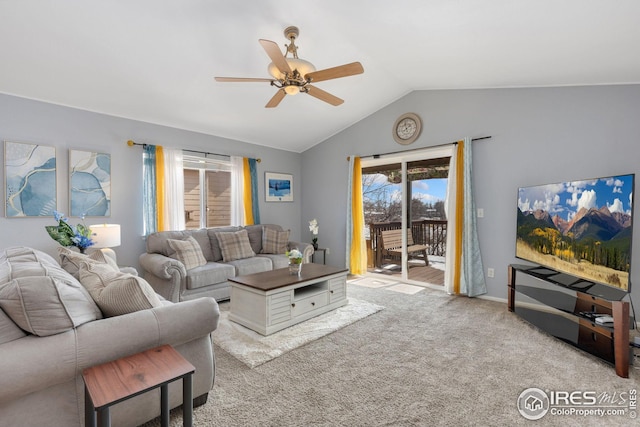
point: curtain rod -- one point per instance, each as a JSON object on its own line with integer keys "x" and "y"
{"x": 130, "y": 143}
{"x": 375, "y": 156}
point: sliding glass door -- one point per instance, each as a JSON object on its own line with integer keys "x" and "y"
{"x": 404, "y": 197}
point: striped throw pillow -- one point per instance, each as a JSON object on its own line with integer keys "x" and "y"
{"x": 117, "y": 293}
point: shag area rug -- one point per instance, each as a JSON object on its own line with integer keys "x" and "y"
{"x": 253, "y": 349}
{"x": 427, "y": 359}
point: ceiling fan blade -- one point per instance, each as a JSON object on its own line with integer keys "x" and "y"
{"x": 335, "y": 72}
{"x": 241, "y": 79}
{"x": 324, "y": 96}
{"x": 279, "y": 96}
{"x": 276, "y": 56}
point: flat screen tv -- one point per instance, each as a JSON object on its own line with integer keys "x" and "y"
{"x": 581, "y": 229}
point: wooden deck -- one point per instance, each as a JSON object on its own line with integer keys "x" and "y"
{"x": 420, "y": 273}
{"x": 429, "y": 275}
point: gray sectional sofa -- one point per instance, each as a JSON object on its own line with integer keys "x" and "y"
{"x": 226, "y": 252}
{"x": 51, "y": 329}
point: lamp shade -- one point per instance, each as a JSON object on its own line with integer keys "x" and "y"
{"x": 105, "y": 235}
{"x": 303, "y": 67}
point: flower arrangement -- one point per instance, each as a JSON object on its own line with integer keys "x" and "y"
{"x": 313, "y": 227}
{"x": 295, "y": 261}
{"x": 295, "y": 256}
{"x": 68, "y": 235}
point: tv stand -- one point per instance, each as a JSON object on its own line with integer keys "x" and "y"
{"x": 559, "y": 309}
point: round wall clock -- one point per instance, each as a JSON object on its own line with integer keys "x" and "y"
{"x": 407, "y": 128}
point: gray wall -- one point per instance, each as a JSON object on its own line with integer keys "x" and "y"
{"x": 539, "y": 136}
{"x": 23, "y": 120}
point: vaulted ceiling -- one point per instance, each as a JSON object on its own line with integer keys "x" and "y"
{"x": 154, "y": 60}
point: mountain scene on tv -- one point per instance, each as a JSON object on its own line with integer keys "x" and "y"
{"x": 582, "y": 228}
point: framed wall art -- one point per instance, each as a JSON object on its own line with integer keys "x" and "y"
{"x": 30, "y": 179}
{"x": 89, "y": 183}
{"x": 278, "y": 187}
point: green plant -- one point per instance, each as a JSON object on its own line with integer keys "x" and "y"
{"x": 68, "y": 235}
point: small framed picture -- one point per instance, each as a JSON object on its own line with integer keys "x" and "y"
{"x": 278, "y": 187}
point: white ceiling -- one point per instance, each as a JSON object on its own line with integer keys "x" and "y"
{"x": 154, "y": 60}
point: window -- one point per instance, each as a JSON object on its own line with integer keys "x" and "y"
{"x": 207, "y": 192}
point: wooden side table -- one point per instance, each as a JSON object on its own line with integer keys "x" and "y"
{"x": 119, "y": 380}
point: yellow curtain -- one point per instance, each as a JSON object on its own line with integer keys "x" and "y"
{"x": 358, "y": 258}
{"x": 246, "y": 193}
{"x": 459, "y": 217}
{"x": 160, "y": 189}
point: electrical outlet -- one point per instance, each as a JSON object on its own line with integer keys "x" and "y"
{"x": 491, "y": 272}
{"x": 480, "y": 213}
{"x": 327, "y": 251}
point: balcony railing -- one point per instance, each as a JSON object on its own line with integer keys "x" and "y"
{"x": 424, "y": 232}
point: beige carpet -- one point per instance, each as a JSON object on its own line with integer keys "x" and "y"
{"x": 427, "y": 359}
{"x": 254, "y": 349}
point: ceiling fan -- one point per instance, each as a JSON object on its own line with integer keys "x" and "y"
{"x": 292, "y": 75}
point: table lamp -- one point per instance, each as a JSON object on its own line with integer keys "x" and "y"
{"x": 105, "y": 235}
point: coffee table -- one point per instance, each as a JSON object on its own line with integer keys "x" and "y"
{"x": 270, "y": 301}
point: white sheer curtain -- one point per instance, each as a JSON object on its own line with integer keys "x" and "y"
{"x": 347, "y": 260}
{"x": 173, "y": 209}
{"x": 464, "y": 273}
{"x": 237, "y": 189}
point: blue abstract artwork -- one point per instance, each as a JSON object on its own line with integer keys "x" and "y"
{"x": 30, "y": 179}
{"x": 89, "y": 183}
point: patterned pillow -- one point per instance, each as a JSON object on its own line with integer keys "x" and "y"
{"x": 70, "y": 260}
{"x": 188, "y": 252}
{"x": 235, "y": 245}
{"x": 274, "y": 241}
{"x": 117, "y": 293}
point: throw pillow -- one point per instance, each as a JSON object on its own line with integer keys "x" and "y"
{"x": 70, "y": 260}
{"x": 188, "y": 252}
{"x": 274, "y": 241}
{"x": 9, "y": 331}
{"x": 235, "y": 245}
{"x": 117, "y": 293}
{"x": 47, "y": 305}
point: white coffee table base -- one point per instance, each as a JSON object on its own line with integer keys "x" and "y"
{"x": 269, "y": 311}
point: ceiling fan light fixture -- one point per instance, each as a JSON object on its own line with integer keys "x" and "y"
{"x": 292, "y": 90}
{"x": 292, "y": 75}
{"x": 296, "y": 64}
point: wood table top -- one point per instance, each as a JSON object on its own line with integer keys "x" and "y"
{"x": 120, "y": 379}
{"x": 279, "y": 278}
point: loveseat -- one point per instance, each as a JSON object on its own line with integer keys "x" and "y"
{"x": 182, "y": 265}
{"x": 51, "y": 329}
